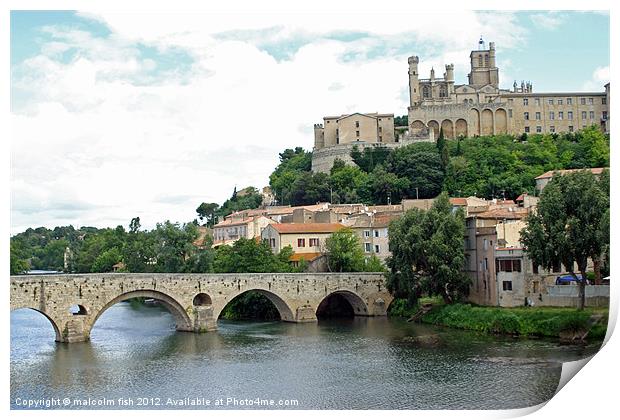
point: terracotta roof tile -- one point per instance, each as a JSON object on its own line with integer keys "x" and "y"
{"x": 549, "y": 174}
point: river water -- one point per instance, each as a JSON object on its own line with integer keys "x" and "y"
{"x": 136, "y": 357}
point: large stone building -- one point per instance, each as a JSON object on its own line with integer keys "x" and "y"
{"x": 480, "y": 107}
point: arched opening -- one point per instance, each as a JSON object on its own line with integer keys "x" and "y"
{"x": 486, "y": 123}
{"x": 461, "y": 127}
{"x": 30, "y": 326}
{"x": 474, "y": 117}
{"x": 256, "y": 304}
{"x": 341, "y": 304}
{"x": 448, "y": 129}
{"x": 434, "y": 125}
{"x": 78, "y": 310}
{"x": 202, "y": 299}
{"x": 148, "y": 311}
{"x": 501, "y": 121}
{"x": 417, "y": 127}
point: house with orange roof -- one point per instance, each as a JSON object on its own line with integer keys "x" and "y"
{"x": 543, "y": 180}
{"x": 306, "y": 239}
{"x": 231, "y": 229}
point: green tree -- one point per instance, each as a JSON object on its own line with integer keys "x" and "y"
{"x": 344, "y": 251}
{"x": 370, "y": 157}
{"x": 420, "y": 163}
{"x": 19, "y": 262}
{"x": 250, "y": 256}
{"x": 174, "y": 245}
{"x": 106, "y": 260}
{"x": 569, "y": 225}
{"x": 428, "y": 253}
{"x": 208, "y": 211}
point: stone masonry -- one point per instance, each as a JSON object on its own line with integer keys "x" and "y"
{"x": 195, "y": 300}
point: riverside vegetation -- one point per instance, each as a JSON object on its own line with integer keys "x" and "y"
{"x": 490, "y": 167}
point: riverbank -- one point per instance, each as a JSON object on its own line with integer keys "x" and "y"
{"x": 521, "y": 321}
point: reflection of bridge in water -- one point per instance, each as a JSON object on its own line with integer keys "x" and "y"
{"x": 195, "y": 300}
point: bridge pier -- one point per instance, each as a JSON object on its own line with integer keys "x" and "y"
{"x": 203, "y": 319}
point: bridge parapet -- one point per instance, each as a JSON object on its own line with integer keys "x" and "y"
{"x": 195, "y": 300}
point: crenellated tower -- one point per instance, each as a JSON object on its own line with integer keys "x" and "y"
{"x": 414, "y": 81}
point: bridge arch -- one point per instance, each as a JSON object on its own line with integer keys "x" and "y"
{"x": 183, "y": 322}
{"x": 357, "y": 303}
{"x": 49, "y": 318}
{"x": 286, "y": 313}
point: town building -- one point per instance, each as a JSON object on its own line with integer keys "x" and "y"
{"x": 543, "y": 180}
{"x": 231, "y": 229}
{"x": 307, "y": 240}
{"x": 480, "y": 107}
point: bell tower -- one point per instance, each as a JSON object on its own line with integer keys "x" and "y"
{"x": 414, "y": 83}
{"x": 483, "y": 66}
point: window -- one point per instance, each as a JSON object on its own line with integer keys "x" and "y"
{"x": 313, "y": 241}
{"x": 527, "y": 129}
{"x": 569, "y": 101}
{"x": 550, "y": 101}
{"x": 552, "y": 115}
{"x": 605, "y": 115}
{"x": 380, "y": 129}
{"x": 560, "y": 101}
{"x": 443, "y": 92}
{"x": 426, "y": 92}
{"x": 357, "y": 133}
{"x": 376, "y": 233}
{"x": 301, "y": 242}
{"x": 357, "y": 124}
{"x": 560, "y": 115}
{"x": 486, "y": 60}
{"x": 485, "y": 244}
{"x": 538, "y": 115}
{"x": 272, "y": 242}
{"x": 507, "y": 266}
{"x": 569, "y": 114}
{"x": 510, "y": 113}
{"x": 537, "y": 101}
{"x": 367, "y": 247}
{"x": 525, "y": 101}
{"x": 583, "y": 101}
{"x": 526, "y": 115}
{"x": 480, "y": 60}
{"x": 603, "y": 101}
{"x": 552, "y": 129}
{"x": 584, "y": 115}
{"x": 570, "y": 129}
{"x": 377, "y": 249}
{"x": 507, "y": 286}
{"x": 366, "y": 234}
{"x": 380, "y": 139}
{"x": 538, "y": 129}
{"x": 591, "y": 101}
{"x": 591, "y": 115}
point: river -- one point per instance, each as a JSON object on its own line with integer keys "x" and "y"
{"x": 136, "y": 360}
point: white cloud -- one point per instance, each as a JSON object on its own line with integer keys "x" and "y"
{"x": 103, "y": 132}
{"x": 600, "y": 77}
{"x": 548, "y": 20}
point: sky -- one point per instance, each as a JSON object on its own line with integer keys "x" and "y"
{"x": 122, "y": 114}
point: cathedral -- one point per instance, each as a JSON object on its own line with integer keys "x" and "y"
{"x": 478, "y": 108}
{"x": 481, "y": 107}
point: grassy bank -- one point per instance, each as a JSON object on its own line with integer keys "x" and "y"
{"x": 533, "y": 321}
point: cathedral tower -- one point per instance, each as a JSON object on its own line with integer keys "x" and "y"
{"x": 414, "y": 83}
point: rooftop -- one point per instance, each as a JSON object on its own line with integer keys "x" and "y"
{"x": 549, "y": 174}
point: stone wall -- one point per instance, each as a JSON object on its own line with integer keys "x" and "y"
{"x": 195, "y": 300}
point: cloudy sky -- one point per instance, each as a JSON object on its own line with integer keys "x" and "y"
{"x": 117, "y": 115}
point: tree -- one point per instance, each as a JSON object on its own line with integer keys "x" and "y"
{"x": 250, "y": 256}
{"x": 569, "y": 225}
{"x": 207, "y": 211}
{"x": 428, "y": 253}
{"x": 19, "y": 262}
{"x": 344, "y": 251}
{"x": 419, "y": 163}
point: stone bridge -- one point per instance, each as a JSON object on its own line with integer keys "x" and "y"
{"x": 195, "y": 300}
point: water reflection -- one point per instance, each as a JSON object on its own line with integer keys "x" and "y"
{"x": 359, "y": 363}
